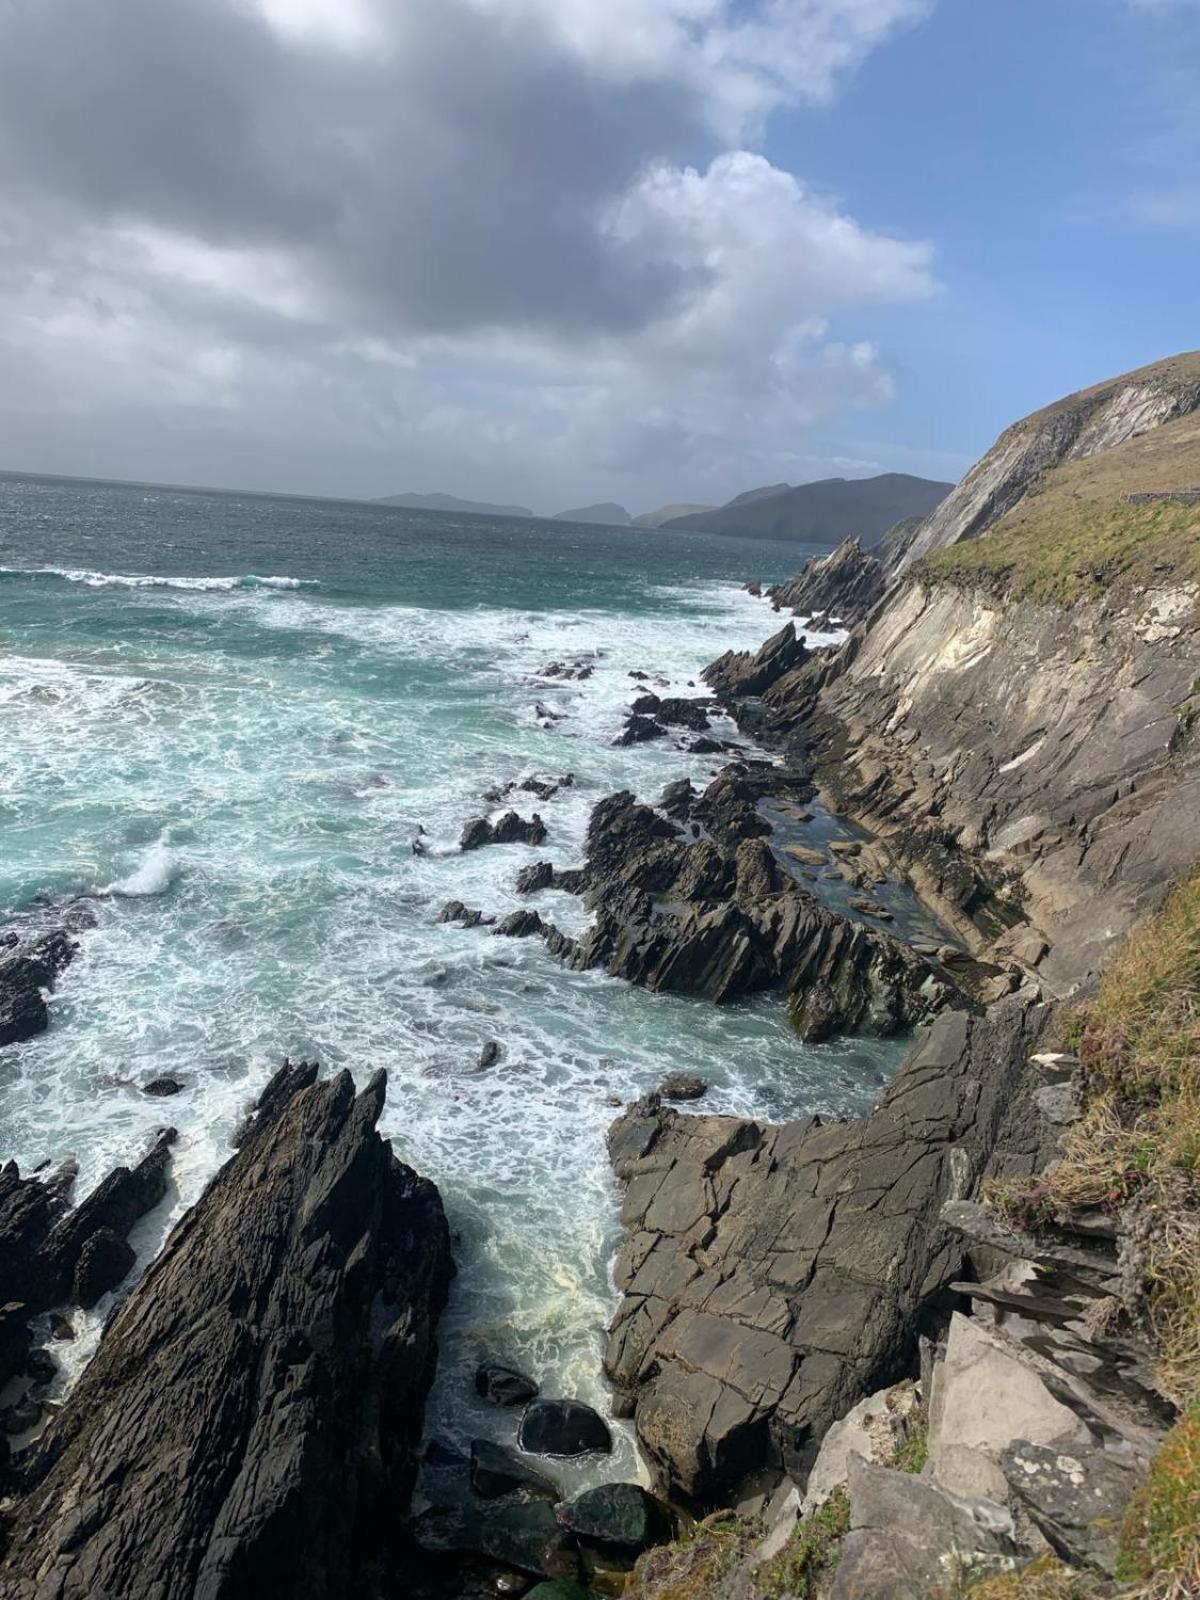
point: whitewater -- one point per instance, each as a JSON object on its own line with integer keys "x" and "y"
{"x": 229, "y": 771}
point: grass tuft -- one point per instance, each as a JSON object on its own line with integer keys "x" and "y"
{"x": 810, "y": 1554}
{"x": 1160, "y": 1541}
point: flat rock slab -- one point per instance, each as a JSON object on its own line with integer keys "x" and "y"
{"x": 773, "y": 1275}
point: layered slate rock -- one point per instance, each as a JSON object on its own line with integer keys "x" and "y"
{"x": 716, "y": 917}
{"x": 752, "y": 672}
{"x": 250, "y": 1421}
{"x": 53, "y": 1254}
{"x": 772, "y": 1276}
{"x": 845, "y": 585}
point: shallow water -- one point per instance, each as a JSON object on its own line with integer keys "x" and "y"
{"x": 225, "y": 718}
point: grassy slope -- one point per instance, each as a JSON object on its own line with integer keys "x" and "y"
{"x": 1075, "y": 536}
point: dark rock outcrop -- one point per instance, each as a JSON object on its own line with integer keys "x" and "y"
{"x": 718, "y": 918}
{"x": 774, "y": 1275}
{"x": 250, "y": 1421}
{"x": 507, "y": 829}
{"x": 619, "y": 1516}
{"x": 845, "y": 585}
{"x": 25, "y": 972}
{"x": 741, "y": 673}
{"x": 638, "y": 730}
{"x": 503, "y": 1386}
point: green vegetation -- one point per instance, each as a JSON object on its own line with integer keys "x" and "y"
{"x": 1055, "y": 553}
{"x": 691, "y": 1568}
{"x": 1136, "y": 1151}
{"x": 913, "y": 1453}
{"x": 810, "y": 1554}
{"x": 1161, "y": 1537}
{"x": 1075, "y": 536}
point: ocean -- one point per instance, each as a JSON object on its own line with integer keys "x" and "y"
{"x": 225, "y": 718}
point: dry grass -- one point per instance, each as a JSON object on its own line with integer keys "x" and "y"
{"x": 692, "y": 1568}
{"x": 1044, "y": 1579}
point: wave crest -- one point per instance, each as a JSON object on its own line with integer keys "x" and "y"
{"x": 150, "y": 580}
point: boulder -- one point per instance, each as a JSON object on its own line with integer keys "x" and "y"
{"x": 503, "y": 1386}
{"x": 875, "y": 1429}
{"x": 985, "y": 1396}
{"x": 619, "y": 1515}
{"x": 523, "y": 1533}
{"x": 908, "y": 1537}
{"x": 250, "y": 1421}
{"x": 677, "y": 798}
{"x": 496, "y": 1471}
{"x": 467, "y": 916}
{"x": 519, "y": 925}
{"x": 558, "y": 1589}
{"x": 162, "y": 1088}
{"x": 678, "y": 711}
{"x": 490, "y": 1053}
{"x": 1076, "y": 1496}
{"x": 563, "y": 1428}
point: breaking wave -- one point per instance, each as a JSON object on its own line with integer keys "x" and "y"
{"x": 149, "y": 580}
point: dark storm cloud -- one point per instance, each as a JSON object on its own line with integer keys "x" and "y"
{"x": 451, "y": 180}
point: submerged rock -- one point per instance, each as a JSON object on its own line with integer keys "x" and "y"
{"x": 503, "y": 1386}
{"x": 250, "y": 1421}
{"x": 563, "y": 1428}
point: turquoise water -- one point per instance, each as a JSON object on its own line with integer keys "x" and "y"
{"x": 225, "y": 718}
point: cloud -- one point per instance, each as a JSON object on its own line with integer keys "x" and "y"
{"x": 472, "y": 238}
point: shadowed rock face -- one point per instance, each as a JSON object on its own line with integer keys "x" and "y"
{"x": 24, "y": 973}
{"x": 249, "y": 1423}
{"x": 774, "y": 1275}
{"x": 844, "y": 586}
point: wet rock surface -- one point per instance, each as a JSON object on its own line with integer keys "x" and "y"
{"x": 770, "y": 1274}
{"x": 250, "y": 1421}
{"x": 845, "y": 585}
{"x": 507, "y": 829}
{"x": 563, "y": 1428}
{"x": 27, "y": 968}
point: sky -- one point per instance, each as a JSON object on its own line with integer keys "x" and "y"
{"x": 557, "y": 251}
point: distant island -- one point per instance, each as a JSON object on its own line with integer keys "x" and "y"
{"x": 450, "y": 502}
{"x": 822, "y": 512}
{"x": 608, "y": 514}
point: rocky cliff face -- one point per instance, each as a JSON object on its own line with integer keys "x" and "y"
{"x": 250, "y": 1422}
{"x": 1081, "y": 425}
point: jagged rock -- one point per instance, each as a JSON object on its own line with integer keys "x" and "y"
{"x": 677, "y": 798}
{"x": 645, "y": 705}
{"x": 985, "y": 1396}
{"x": 563, "y": 1428}
{"x": 848, "y": 583}
{"x": 680, "y": 712}
{"x": 1076, "y": 1496}
{"x": 907, "y": 1537}
{"x": 103, "y": 1262}
{"x": 519, "y": 925}
{"x": 744, "y": 672}
{"x": 250, "y": 1421}
{"x": 622, "y": 1515}
{"x": 771, "y": 1276}
{"x": 874, "y": 1429}
{"x": 468, "y": 916}
{"x": 503, "y": 1386}
{"x": 507, "y": 829}
{"x": 638, "y": 730}
{"x": 531, "y": 879}
{"x": 683, "y": 1086}
{"x": 496, "y": 1471}
{"x": 24, "y": 974}
{"x": 718, "y": 918}
{"x": 162, "y": 1088}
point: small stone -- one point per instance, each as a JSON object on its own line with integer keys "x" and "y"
{"x": 161, "y": 1088}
